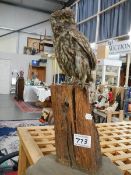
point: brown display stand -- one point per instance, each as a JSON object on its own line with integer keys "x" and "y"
{"x": 70, "y": 105}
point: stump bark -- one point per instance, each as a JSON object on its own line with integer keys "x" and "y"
{"x": 70, "y": 105}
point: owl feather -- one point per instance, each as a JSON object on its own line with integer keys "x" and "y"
{"x": 73, "y": 52}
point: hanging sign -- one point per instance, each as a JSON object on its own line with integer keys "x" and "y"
{"x": 120, "y": 47}
{"x": 82, "y": 140}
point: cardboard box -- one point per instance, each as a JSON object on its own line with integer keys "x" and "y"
{"x": 102, "y": 51}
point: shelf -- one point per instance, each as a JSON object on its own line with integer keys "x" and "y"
{"x": 111, "y": 74}
{"x": 99, "y": 72}
{"x": 108, "y": 62}
{"x": 128, "y": 100}
{"x": 128, "y": 114}
{"x": 38, "y": 66}
{"x": 109, "y": 71}
{"x": 48, "y": 43}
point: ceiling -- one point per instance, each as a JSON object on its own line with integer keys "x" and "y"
{"x": 47, "y": 6}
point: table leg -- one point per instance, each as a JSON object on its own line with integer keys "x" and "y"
{"x": 121, "y": 115}
{"x": 22, "y": 165}
{"x": 104, "y": 119}
{"x": 97, "y": 118}
{"x": 109, "y": 116}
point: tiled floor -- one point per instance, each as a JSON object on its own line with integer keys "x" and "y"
{"x": 9, "y": 111}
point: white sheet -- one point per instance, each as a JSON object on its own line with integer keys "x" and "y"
{"x": 35, "y": 93}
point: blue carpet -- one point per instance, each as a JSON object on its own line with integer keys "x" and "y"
{"x": 5, "y": 131}
{"x": 9, "y": 140}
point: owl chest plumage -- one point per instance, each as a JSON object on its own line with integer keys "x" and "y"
{"x": 71, "y": 57}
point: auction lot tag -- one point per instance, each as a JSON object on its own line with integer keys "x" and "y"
{"x": 88, "y": 116}
{"x": 82, "y": 140}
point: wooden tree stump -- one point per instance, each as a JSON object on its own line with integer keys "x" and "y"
{"x": 70, "y": 105}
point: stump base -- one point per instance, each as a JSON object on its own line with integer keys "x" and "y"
{"x": 49, "y": 166}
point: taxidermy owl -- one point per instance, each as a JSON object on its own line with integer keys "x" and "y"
{"x": 72, "y": 49}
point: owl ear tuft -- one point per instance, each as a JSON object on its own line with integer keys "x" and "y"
{"x": 56, "y": 14}
{"x": 67, "y": 13}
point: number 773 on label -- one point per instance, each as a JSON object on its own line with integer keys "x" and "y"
{"x": 82, "y": 140}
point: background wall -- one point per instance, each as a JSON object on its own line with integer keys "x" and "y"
{"x": 21, "y": 62}
{"x": 15, "y": 18}
{"x": 8, "y": 44}
{"x": 12, "y": 46}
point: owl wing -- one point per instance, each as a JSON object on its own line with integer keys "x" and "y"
{"x": 65, "y": 53}
{"x": 83, "y": 42}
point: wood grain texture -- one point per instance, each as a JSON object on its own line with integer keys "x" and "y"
{"x": 115, "y": 141}
{"x": 86, "y": 158}
{"x": 63, "y": 123}
{"x": 70, "y": 105}
{"x": 23, "y": 161}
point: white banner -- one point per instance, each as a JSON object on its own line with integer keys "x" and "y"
{"x": 120, "y": 47}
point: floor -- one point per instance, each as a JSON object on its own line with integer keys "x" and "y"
{"x": 9, "y": 111}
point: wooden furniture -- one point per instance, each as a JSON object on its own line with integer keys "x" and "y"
{"x": 115, "y": 140}
{"x": 19, "y": 88}
{"x": 40, "y": 71}
{"x": 70, "y": 105}
{"x": 108, "y": 115}
{"x": 47, "y": 41}
{"x": 35, "y": 142}
{"x": 38, "y": 141}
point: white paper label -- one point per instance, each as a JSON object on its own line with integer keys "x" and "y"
{"x": 82, "y": 140}
{"x": 88, "y": 117}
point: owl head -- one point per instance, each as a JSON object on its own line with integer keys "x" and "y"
{"x": 62, "y": 20}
